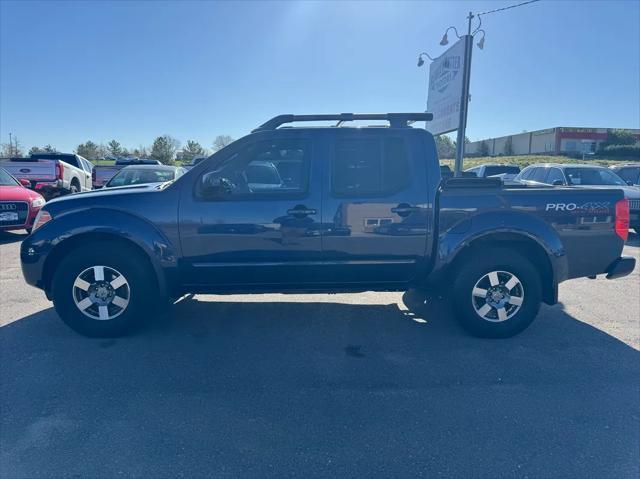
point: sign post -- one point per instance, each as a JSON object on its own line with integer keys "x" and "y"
{"x": 448, "y": 96}
{"x": 464, "y": 101}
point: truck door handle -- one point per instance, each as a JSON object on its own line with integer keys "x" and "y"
{"x": 301, "y": 211}
{"x": 404, "y": 209}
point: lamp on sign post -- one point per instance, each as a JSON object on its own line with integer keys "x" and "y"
{"x": 444, "y": 82}
{"x": 461, "y": 102}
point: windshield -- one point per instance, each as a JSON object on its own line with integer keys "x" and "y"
{"x": 592, "y": 176}
{"x": 6, "y": 179}
{"x": 133, "y": 176}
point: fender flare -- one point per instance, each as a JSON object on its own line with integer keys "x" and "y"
{"x": 526, "y": 226}
{"x": 103, "y": 223}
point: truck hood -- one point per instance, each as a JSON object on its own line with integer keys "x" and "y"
{"x": 103, "y": 192}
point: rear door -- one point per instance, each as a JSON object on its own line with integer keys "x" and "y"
{"x": 375, "y": 206}
{"x": 263, "y": 227}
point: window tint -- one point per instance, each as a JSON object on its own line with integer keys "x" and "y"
{"x": 71, "y": 160}
{"x": 132, "y": 176}
{"x": 87, "y": 165}
{"x": 539, "y": 175}
{"x": 273, "y": 167}
{"x": 370, "y": 167}
{"x": 554, "y": 175}
{"x": 526, "y": 173}
{"x": 592, "y": 176}
{"x": 629, "y": 174}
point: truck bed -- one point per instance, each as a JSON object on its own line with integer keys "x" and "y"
{"x": 583, "y": 219}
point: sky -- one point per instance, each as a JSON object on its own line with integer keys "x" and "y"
{"x": 134, "y": 70}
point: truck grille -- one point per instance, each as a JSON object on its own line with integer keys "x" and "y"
{"x": 634, "y": 204}
{"x": 13, "y": 213}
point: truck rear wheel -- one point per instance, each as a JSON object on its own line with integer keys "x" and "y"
{"x": 497, "y": 295}
{"x": 100, "y": 292}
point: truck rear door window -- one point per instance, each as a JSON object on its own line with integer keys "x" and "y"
{"x": 370, "y": 167}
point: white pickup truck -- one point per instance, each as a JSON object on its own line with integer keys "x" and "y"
{"x": 52, "y": 174}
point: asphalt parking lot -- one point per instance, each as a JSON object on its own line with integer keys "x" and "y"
{"x": 366, "y": 385}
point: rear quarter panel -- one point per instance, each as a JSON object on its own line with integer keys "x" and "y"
{"x": 575, "y": 227}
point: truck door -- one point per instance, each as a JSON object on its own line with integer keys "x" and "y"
{"x": 250, "y": 214}
{"x": 375, "y": 206}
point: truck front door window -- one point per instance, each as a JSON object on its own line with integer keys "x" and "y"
{"x": 272, "y": 168}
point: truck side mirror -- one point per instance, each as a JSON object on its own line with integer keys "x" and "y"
{"x": 557, "y": 183}
{"x": 24, "y": 182}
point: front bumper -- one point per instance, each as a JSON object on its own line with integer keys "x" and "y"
{"x": 623, "y": 266}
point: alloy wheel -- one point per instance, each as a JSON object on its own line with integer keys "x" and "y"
{"x": 497, "y": 296}
{"x": 101, "y": 293}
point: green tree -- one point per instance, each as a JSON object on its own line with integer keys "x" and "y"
{"x": 42, "y": 149}
{"x": 618, "y": 137}
{"x": 508, "y": 147}
{"x": 115, "y": 149}
{"x": 164, "y": 149}
{"x": 192, "y": 149}
{"x": 221, "y": 141}
{"x": 89, "y": 150}
{"x": 483, "y": 149}
{"x": 446, "y": 146}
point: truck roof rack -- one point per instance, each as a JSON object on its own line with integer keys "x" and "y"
{"x": 396, "y": 120}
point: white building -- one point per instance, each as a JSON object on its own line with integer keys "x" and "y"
{"x": 553, "y": 141}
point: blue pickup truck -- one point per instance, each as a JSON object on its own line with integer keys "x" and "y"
{"x": 324, "y": 209}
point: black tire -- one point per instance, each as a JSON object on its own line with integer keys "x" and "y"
{"x": 468, "y": 306}
{"x": 139, "y": 289}
{"x": 74, "y": 188}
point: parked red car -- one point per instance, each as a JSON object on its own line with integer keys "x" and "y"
{"x": 18, "y": 205}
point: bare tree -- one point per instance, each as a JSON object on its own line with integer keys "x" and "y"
{"x": 12, "y": 149}
{"x": 221, "y": 141}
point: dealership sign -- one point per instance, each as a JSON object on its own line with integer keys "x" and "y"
{"x": 445, "y": 90}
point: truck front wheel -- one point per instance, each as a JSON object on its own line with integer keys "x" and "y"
{"x": 102, "y": 290}
{"x": 497, "y": 294}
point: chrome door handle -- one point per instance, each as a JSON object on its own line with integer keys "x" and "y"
{"x": 301, "y": 211}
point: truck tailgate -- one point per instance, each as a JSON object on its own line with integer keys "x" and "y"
{"x": 32, "y": 170}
